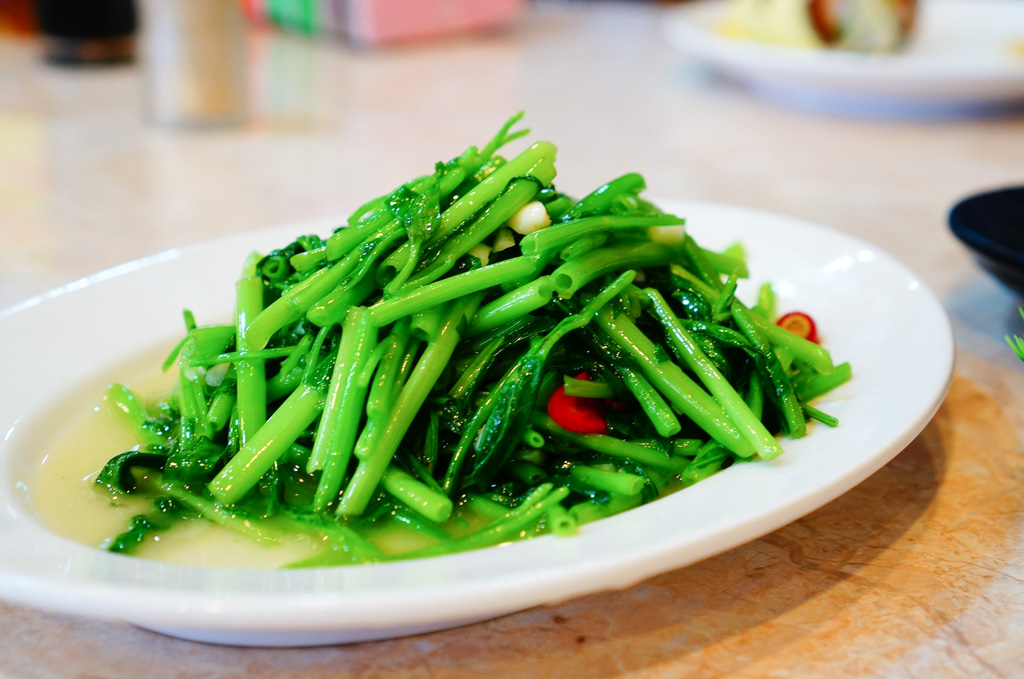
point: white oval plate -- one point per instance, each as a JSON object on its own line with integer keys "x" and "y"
{"x": 965, "y": 56}
{"x": 871, "y": 311}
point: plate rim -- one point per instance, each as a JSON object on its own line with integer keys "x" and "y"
{"x": 231, "y": 616}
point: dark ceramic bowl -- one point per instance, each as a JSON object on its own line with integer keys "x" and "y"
{"x": 991, "y": 225}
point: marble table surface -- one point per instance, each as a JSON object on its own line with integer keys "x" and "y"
{"x": 916, "y": 572}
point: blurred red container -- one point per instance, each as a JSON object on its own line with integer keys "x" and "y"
{"x": 17, "y": 17}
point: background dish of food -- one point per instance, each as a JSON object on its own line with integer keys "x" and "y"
{"x": 965, "y": 56}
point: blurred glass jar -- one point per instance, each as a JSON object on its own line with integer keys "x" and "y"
{"x": 194, "y": 61}
{"x": 82, "y": 33}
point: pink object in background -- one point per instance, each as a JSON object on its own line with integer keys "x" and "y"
{"x": 381, "y": 22}
{"x": 390, "y": 21}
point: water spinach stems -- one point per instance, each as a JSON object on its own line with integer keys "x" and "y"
{"x": 474, "y": 357}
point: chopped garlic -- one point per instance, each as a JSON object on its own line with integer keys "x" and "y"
{"x": 503, "y": 239}
{"x": 531, "y": 217}
{"x": 216, "y": 374}
{"x": 670, "y": 235}
{"x": 481, "y": 252}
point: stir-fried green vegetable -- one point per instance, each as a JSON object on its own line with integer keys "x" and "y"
{"x": 1016, "y": 342}
{"x": 429, "y": 367}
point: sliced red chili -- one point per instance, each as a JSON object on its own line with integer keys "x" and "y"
{"x": 800, "y": 324}
{"x": 576, "y": 413}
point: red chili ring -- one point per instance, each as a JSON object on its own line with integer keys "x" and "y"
{"x": 576, "y": 413}
{"x": 800, "y": 324}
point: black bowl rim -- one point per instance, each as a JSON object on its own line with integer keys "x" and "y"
{"x": 978, "y": 241}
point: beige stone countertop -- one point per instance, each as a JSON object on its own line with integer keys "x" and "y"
{"x": 916, "y": 572}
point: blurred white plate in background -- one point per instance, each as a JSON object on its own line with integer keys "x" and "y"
{"x": 965, "y": 56}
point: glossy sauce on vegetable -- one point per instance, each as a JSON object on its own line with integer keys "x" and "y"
{"x": 69, "y": 502}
